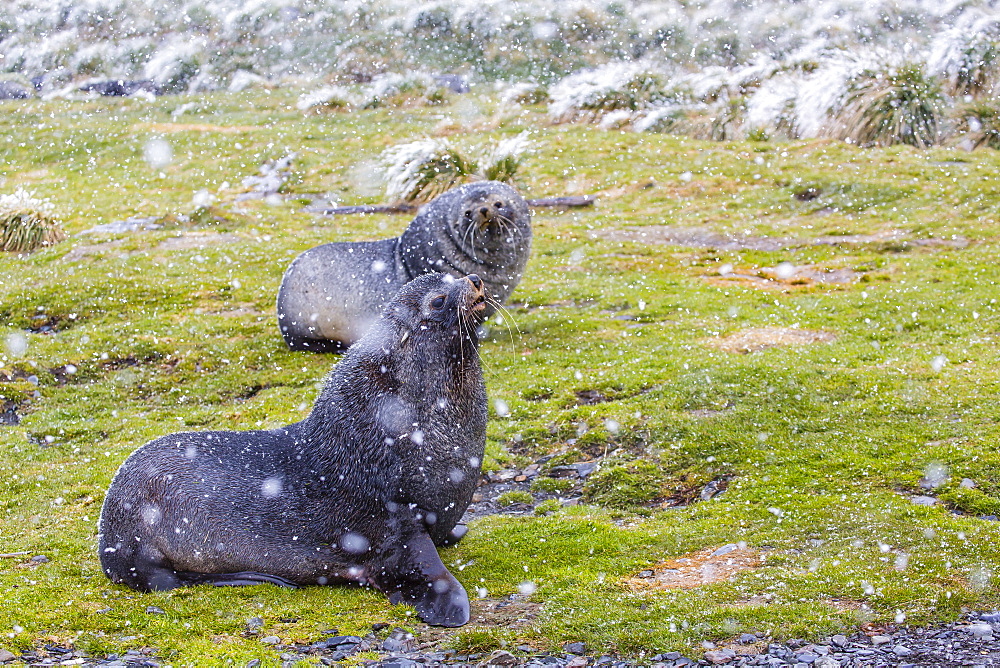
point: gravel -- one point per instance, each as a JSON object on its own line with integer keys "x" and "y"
{"x": 968, "y": 642}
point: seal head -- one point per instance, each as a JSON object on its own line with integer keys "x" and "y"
{"x": 331, "y": 294}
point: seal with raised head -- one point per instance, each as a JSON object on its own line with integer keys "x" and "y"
{"x": 362, "y": 490}
{"x": 332, "y": 293}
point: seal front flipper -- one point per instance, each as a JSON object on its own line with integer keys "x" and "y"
{"x": 456, "y": 534}
{"x": 415, "y": 575}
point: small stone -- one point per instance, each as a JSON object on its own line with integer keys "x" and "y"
{"x": 806, "y": 657}
{"x": 725, "y": 549}
{"x": 6, "y": 655}
{"x": 645, "y": 574}
{"x": 747, "y": 638}
{"x": 902, "y": 650}
{"x": 577, "y": 662}
{"x": 718, "y": 657}
{"x": 923, "y": 500}
{"x": 967, "y": 483}
{"x": 839, "y": 640}
{"x": 990, "y": 617}
{"x": 980, "y": 630}
{"x": 399, "y": 662}
{"x": 826, "y": 662}
{"x": 880, "y": 640}
{"x": 575, "y": 648}
{"x": 254, "y": 624}
{"x": 153, "y": 610}
{"x": 39, "y": 559}
{"x": 253, "y": 663}
{"x": 270, "y": 640}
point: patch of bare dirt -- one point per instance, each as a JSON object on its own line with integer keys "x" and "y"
{"x": 704, "y": 238}
{"x": 787, "y": 275}
{"x": 761, "y": 338}
{"x": 195, "y": 240}
{"x": 168, "y": 128}
{"x": 83, "y": 251}
{"x": 697, "y": 569}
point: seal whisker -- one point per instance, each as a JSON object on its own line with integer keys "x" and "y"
{"x": 508, "y": 319}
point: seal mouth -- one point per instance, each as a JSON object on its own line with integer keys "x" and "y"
{"x": 477, "y": 301}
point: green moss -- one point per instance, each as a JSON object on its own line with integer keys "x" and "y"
{"x": 551, "y": 485}
{"x": 971, "y": 501}
{"x": 548, "y": 507}
{"x": 514, "y": 497}
{"x": 612, "y": 359}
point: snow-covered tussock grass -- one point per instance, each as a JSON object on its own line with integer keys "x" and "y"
{"x": 27, "y": 223}
{"x": 419, "y": 171}
{"x": 616, "y": 86}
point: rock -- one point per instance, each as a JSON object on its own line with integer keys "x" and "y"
{"x": 902, "y": 650}
{"x": 880, "y": 640}
{"x": 575, "y": 648}
{"x": 254, "y": 624}
{"x": 719, "y": 657}
{"x": 577, "y": 662}
{"x": 645, "y": 574}
{"x": 967, "y": 483}
{"x": 980, "y": 630}
{"x": 6, "y": 656}
{"x": 839, "y": 640}
{"x": 923, "y": 500}
{"x": 806, "y": 657}
{"x": 725, "y": 549}
{"x": 153, "y": 610}
{"x": 133, "y": 224}
{"x": 748, "y": 638}
{"x": 826, "y": 662}
{"x": 270, "y": 640}
{"x": 252, "y": 663}
{"x": 11, "y": 90}
{"x": 39, "y": 559}
{"x": 990, "y": 617}
{"x": 400, "y": 662}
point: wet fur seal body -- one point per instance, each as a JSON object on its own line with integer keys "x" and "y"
{"x": 360, "y": 491}
{"x": 331, "y": 294}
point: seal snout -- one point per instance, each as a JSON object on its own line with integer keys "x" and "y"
{"x": 477, "y": 296}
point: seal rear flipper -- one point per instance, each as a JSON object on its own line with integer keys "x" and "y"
{"x": 241, "y": 579}
{"x": 419, "y": 578}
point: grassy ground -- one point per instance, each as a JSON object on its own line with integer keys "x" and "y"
{"x": 822, "y": 445}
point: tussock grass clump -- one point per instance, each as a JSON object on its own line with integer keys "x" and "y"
{"x": 27, "y": 223}
{"x": 979, "y": 125}
{"x": 421, "y": 170}
{"x": 617, "y": 86}
{"x": 892, "y": 106}
{"x": 966, "y": 56}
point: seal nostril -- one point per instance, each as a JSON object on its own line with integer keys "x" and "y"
{"x": 484, "y": 210}
{"x": 476, "y": 281}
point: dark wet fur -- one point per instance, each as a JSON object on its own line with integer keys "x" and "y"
{"x": 346, "y": 495}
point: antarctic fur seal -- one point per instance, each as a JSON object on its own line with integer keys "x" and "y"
{"x": 331, "y": 294}
{"x": 362, "y": 490}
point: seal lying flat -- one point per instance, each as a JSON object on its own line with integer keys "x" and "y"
{"x": 360, "y": 491}
{"x": 332, "y": 293}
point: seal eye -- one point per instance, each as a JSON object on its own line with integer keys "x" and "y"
{"x": 468, "y": 214}
{"x": 437, "y": 302}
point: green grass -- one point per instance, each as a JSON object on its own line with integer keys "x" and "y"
{"x": 821, "y": 445}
